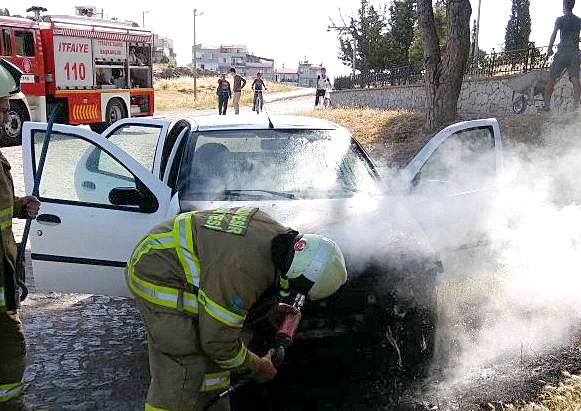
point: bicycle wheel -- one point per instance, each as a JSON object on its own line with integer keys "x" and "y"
{"x": 258, "y": 103}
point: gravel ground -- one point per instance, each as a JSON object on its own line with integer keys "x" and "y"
{"x": 89, "y": 352}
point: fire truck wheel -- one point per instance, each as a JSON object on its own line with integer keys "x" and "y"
{"x": 115, "y": 111}
{"x": 11, "y": 133}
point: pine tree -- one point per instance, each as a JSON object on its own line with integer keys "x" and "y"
{"x": 518, "y": 29}
{"x": 402, "y": 20}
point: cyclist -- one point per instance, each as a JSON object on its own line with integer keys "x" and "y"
{"x": 323, "y": 83}
{"x": 258, "y": 86}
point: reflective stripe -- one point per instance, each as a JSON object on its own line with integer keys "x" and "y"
{"x": 220, "y": 313}
{"x": 236, "y": 361}
{"x": 184, "y": 240}
{"x": 313, "y": 273}
{"x": 9, "y": 391}
{"x": 149, "y": 407}
{"x": 6, "y": 218}
{"x": 2, "y": 299}
{"x": 153, "y": 241}
{"x": 215, "y": 381}
{"x": 190, "y": 303}
{"x": 6, "y": 224}
{"x": 156, "y": 294}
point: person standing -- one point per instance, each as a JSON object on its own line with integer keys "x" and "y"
{"x": 12, "y": 344}
{"x": 224, "y": 93}
{"x": 197, "y": 277}
{"x": 323, "y": 83}
{"x": 239, "y": 83}
{"x": 567, "y": 57}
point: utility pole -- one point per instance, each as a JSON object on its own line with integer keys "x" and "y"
{"x": 143, "y": 18}
{"x": 476, "y": 49}
{"x": 351, "y": 30}
{"x": 196, "y": 14}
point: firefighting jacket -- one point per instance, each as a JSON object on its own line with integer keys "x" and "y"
{"x": 211, "y": 265}
{"x": 10, "y": 207}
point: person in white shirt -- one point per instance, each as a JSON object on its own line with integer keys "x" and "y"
{"x": 323, "y": 83}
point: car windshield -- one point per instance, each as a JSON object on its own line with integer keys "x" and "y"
{"x": 266, "y": 164}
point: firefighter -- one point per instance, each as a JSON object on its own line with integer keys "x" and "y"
{"x": 195, "y": 279}
{"x": 12, "y": 346}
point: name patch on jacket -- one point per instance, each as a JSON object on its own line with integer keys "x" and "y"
{"x": 230, "y": 220}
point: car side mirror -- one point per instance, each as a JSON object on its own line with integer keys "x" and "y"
{"x": 131, "y": 196}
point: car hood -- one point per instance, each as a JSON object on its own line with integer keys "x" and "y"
{"x": 368, "y": 229}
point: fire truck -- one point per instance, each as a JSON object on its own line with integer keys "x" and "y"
{"x": 98, "y": 70}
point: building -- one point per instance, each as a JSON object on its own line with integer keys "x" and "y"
{"x": 221, "y": 59}
{"x": 163, "y": 50}
{"x": 307, "y": 73}
{"x": 286, "y": 75}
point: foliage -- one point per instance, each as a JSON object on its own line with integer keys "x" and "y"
{"x": 417, "y": 46}
{"x": 4, "y": 12}
{"x": 518, "y": 29}
{"x": 402, "y": 20}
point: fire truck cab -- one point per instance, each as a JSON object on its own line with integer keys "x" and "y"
{"x": 98, "y": 71}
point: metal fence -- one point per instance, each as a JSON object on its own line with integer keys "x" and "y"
{"x": 486, "y": 65}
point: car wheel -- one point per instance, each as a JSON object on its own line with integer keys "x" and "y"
{"x": 519, "y": 105}
{"x": 114, "y": 111}
{"x": 11, "y": 133}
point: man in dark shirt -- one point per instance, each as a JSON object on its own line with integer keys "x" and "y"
{"x": 239, "y": 83}
{"x": 567, "y": 57}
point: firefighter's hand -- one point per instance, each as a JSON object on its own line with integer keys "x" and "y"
{"x": 266, "y": 370}
{"x": 31, "y": 205}
{"x": 279, "y": 311}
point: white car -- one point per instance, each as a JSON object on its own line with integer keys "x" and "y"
{"x": 101, "y": 193}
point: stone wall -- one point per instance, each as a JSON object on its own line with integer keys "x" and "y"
{"x": 489, "y": 96}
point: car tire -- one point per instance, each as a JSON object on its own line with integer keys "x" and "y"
{"x": 114, "y": 111}
{"x": 519, "y": 105}
{"x": 11, "y": 133}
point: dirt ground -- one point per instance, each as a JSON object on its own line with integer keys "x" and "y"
{"x": 89, "y": 352}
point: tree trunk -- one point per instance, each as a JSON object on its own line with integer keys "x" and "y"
{"x": 444, "y": 69}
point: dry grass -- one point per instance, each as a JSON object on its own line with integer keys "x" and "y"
{"x": 392, "y": 137}
{"x": 178, "y": 94}
{"x": 564, "y": 397}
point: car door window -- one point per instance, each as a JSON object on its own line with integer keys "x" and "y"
{"x": 77, "y": 171}
{"x": 464, "y": 161}
{"x": 6, "y": 46}
{"x": 137, "y": 140}
{"x": 24, "y": 42}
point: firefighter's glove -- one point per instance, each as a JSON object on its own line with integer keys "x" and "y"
{"x": 265, "y": 369}
{"x": 279, "y": 311}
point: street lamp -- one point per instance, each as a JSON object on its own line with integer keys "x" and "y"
{"x": 351, "y": 30}
{"x": 196, "y": 14}
{"x": 143, "y": 18}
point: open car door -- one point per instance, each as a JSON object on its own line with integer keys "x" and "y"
{"x": 97, "y": 202}
{"x": 453, "y": 182}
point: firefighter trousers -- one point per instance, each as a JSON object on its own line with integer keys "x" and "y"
{"x": 12, "y": 361}
{"x": 177, "y": 367}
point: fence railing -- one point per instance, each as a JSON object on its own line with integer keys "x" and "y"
{"x": 485, "y": 65}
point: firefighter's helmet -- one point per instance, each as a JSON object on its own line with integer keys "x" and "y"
{"x": 317, "y": 268}
{"x": 9, "y": 79}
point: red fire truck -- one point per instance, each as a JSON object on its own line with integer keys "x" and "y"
{"x": 99, "y": 70}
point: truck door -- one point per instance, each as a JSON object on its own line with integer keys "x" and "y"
{"x": 453, "y": 183}
{"x": 97, "y": 202}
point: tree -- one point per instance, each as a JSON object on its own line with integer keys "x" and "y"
{"x": 370, "y": 32}
{"x": 4, "y": 12}
{"x": 402, "y": 20}
{"x": 518, "y": 28}
{"x": 417, "y": 46}
{"x": 444, "y": 64}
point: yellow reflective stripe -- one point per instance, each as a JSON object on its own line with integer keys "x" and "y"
{"x": 190, "y": 303}
{"x": 215, "y": 381}
{"x": 153, "y": 241}
{"x": 6, "y": 212}
{"x": 6, "y": 224}
{"x": 149, "y": 407}
{"x": 235, "y": 361}
{"x": 220, "y": 313}
{"x": 9, "y": 391}
{"x": 156, "y": 294}
{"x": 184, "y": 240}
{"x": 2, "y": 299}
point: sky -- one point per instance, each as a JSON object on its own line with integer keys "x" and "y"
{"x": 287, "y": 31}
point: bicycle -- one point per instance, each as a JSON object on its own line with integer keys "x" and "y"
{"x": 258, "y": 101}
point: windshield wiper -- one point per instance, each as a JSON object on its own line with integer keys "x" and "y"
{"x": 290, "y": 196}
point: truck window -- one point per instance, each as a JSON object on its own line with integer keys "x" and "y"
{"x": 24, "y": 43}
{"x": 6, "y": 46}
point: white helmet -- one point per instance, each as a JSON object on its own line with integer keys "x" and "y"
{"x": 317, "y": 262}
{"x": 9, "y": 78}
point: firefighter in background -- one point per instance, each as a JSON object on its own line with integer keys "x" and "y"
{"x": 12, "y": 346}
{"x": 195, "y": 279}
